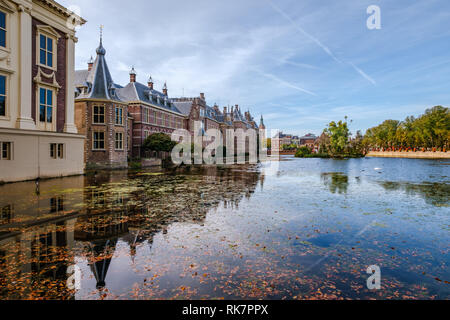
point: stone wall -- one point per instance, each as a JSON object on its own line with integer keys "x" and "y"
{"x": 412, "y": 155}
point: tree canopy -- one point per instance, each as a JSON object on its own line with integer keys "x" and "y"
{"x": 159, "y": 142}
{"x": 430, "y": 130}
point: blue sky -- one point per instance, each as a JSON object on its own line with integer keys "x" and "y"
{"x": 299, "y": 63}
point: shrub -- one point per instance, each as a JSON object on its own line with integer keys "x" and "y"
{"x": 159, "y": 142}
{"x": 303, "y": 152}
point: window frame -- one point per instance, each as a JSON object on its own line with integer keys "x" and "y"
{"x": 9, "y": 151}
{"x": 117, "y": 123}
{"x": 6, "y": 115}
{"x": 94, "y": 114}
{"x": 46, "y": 126}
{"x": 57, "y": 151}
{"x": 116, "y": 141}
{"x": 5, "y": 29}
{"x": 93, "y": 141}
{"x": 48, "y": 33}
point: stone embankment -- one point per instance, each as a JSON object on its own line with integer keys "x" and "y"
{"x": 410, "y": 154}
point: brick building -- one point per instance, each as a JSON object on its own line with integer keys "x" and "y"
{"x": 101, "y": 115}
{"x": 144, "y": 111}
{"x": 151, "y": 111}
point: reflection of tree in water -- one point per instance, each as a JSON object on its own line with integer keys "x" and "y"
{"x": 436, "y": 194}
{"x": 336, "y": 182}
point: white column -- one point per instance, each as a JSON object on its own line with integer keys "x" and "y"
{"x": 24, "y": 120}
{"x": 69, "y": 126}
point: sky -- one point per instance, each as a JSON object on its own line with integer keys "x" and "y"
{"x": 301, "y": 64}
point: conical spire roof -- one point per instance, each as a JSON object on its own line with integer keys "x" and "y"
{"x": 99, "y": 81}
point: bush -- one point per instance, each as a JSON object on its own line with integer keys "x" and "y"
{"x": 303, "y": 152}
{"x": 159, "y": 142}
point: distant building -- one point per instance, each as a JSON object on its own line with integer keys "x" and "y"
{"x": 309, "y": 140}
{"x": 117, "y": 119}
{"x": 38, "y": 136}
{"x": 282, "y": 139}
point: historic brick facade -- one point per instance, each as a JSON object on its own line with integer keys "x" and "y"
{"x": 148, "y": 111}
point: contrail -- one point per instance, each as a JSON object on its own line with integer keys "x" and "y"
{"x": 320, "y": 44}
{"x": 300, "y": 29}
{"x": 287, "y": 84}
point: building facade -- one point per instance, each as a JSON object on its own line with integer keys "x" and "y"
{"x": 151, "y": 111}
{"x": 38, "y": 136}
{"x": 101, "y": 115}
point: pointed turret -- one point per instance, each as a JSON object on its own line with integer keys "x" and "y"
{"x": 100, "y": 80}
{"x": 261, "y": 124}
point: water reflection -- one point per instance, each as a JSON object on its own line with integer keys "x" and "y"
{"x": 212, "y": 232}
{"x": 337, "y": 182}
{"x": 436, "y": 194}
{"x": 120, "y": 206}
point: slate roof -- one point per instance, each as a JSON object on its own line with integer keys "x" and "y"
{"x": 98, "y": 82}
{"x": 185, "y": 107}
{"x": 135, "y": 91}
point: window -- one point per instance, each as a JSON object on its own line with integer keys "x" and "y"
{"x": 119, "y": 116}
{"x": 146, "y": 115}
{"x": 2, "y": 29}
{"x": 159, "y": 118}
{"x": 46, "y": 51}
{"x": 119, "y": 141}
{"x": 6, "y": 214}
{"x": 45, "y": 105}
{"x": 99, "y": 115}
{"x": 98, "y": 142}
{"x": 57, "y": 204}
{"x": 57, "y": 151}
{"x": 154, "y": 117}
{"x": 167, "y": 121}
{"x": 2, "y": 96}
{"x": 5, "y": 150}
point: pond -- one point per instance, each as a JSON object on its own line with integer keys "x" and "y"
{"x": 307, "y": 230}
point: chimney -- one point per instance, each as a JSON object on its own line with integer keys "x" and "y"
{"x": 90, "y": 64}
{"x": 165, "y": 89}
{"x": 132, "y": 75}
{"x": 202, "y": 96}
{"x": 150, "y": 83}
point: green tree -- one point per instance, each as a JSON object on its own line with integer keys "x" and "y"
{"x": 159, "y": 142}
{"x": 339, "y": 136}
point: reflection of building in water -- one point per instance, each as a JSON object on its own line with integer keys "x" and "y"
{"x": 148, "y": 206}
{"x": 6, "y": 214}
{"x": 57, "y": 197}
{"x": 36, "y": 264}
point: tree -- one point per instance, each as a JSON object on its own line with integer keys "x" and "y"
{"x": 430, "y": 130}
{"x": 269, "y": 143}
{"x": 339, "y": 136}
{"x": 302, "y": 152}
{"x": 159, "y": 142}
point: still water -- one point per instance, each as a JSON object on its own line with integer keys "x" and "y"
{"x": 308, "y": 230}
